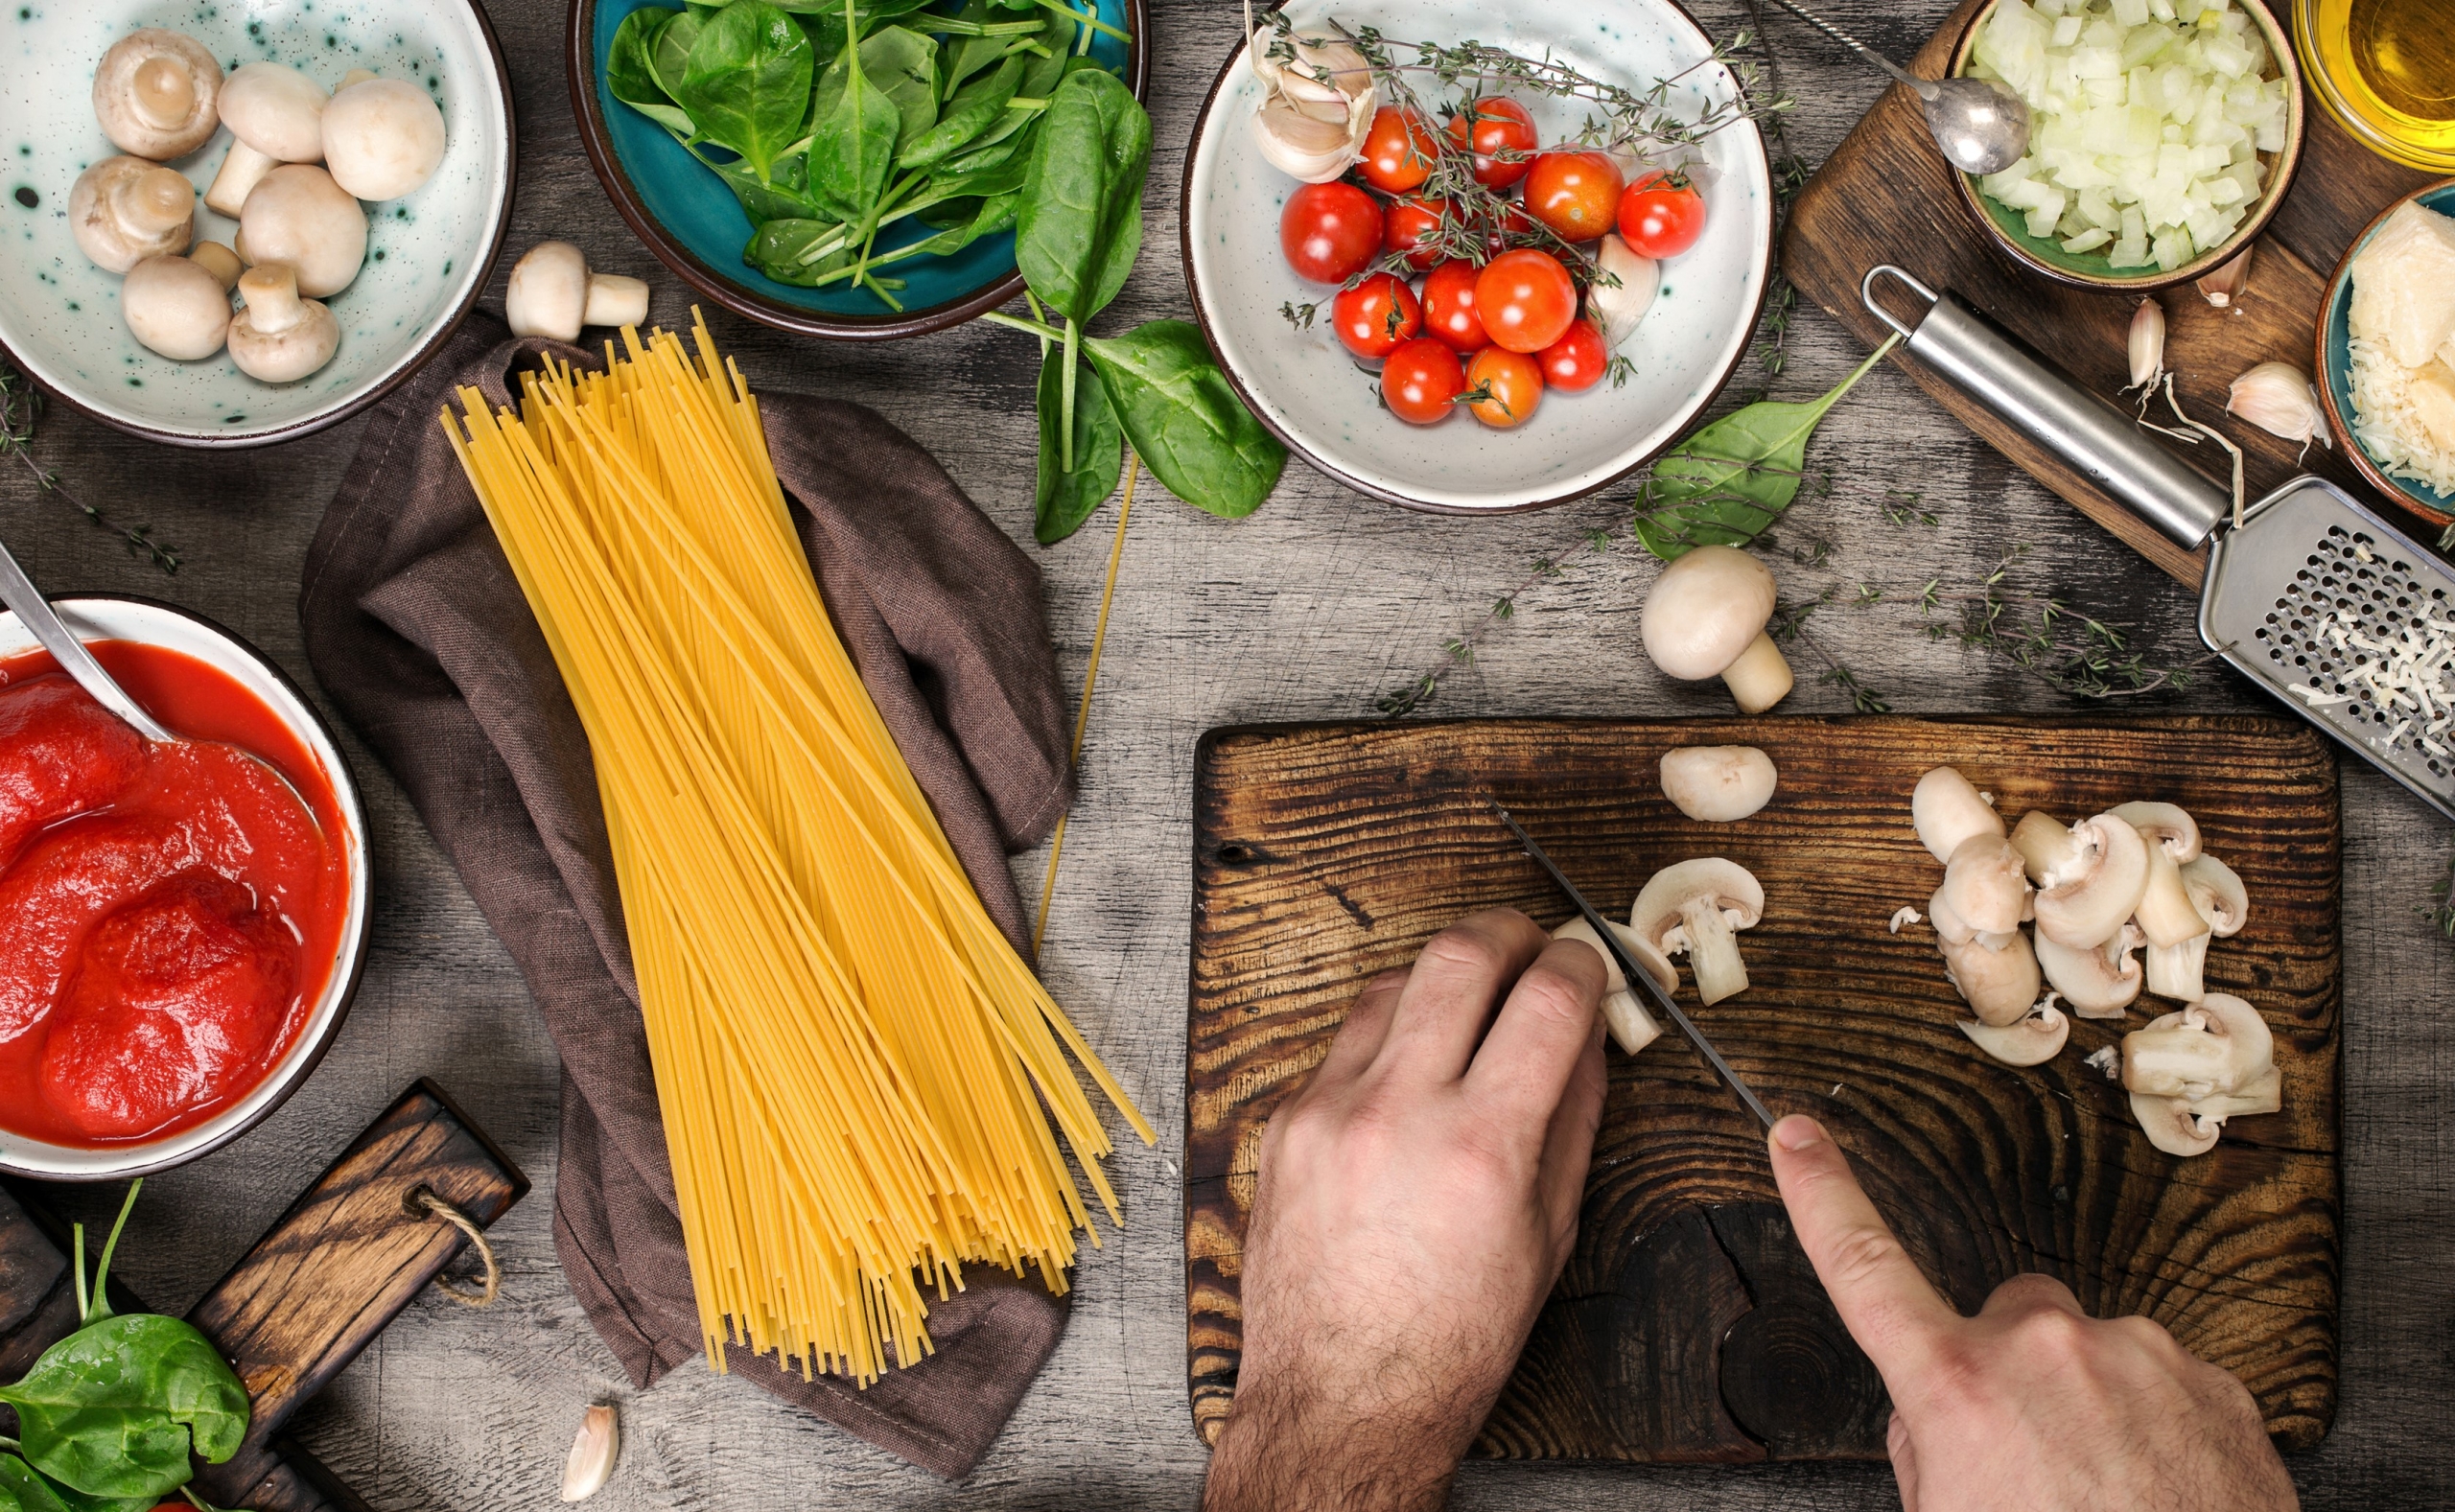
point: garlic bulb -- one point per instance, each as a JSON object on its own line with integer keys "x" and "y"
{"x": 1316, "y": 107}
{"x": 2147, "y": 343}
{"x": 594, "y": 1451}
{"x": 2277, "y": 397}
{"x": 1619, "y": 309}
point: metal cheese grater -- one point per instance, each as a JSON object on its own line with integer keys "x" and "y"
{"x": 2308, "y": 585}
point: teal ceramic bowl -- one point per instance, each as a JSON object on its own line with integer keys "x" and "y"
{"x": 2335, "y": 370}
{"x": 695, "y": 226}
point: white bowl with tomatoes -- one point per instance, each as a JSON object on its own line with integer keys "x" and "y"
{"x": 1457, "y": 322}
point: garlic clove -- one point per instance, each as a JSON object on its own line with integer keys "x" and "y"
{"x": 2277, "y": 397}
{"x": 591, "y": 1463}
{"x": 2147, "y": 343}
{"x": 1619, "y": 309}
{"x": 2224, "y": 286}
{"x": 1296, "y": 143}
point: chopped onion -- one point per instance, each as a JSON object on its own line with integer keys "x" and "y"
{"x": 2147, "y": 119}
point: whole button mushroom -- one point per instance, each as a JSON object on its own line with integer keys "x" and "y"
{"x": 155, "y": 93}
{"x": 1717, "y": 784}
{"x": 1945, "y": 809}
{"x": 383, "y": 138}
{"x": 553, "y": 294}
{"x": 277, "y": 110}
{"x": 124, "y": 210}
{"x": 1705, "y": 617}
{"x": 300, "y": 216}
{"x": 280, "y": 338}
{"x": 219, "y": 261}
{"x": 177, "y": 307}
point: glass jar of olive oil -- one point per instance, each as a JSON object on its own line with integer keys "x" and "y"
{"x": 2386, "y": 69}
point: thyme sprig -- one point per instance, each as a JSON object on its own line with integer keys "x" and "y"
{"x": 20, "y": 412}
{"x": 1459, "y": 651}
{"x": 2042, "y": 635}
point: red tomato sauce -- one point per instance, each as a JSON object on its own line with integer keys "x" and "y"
{"x": 169, "y": 916}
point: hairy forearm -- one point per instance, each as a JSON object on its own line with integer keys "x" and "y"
{"x": 1288, "y": 1452}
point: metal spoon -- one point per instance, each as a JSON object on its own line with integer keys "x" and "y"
{"x": 1982, "y": 126}
{"x": 34, "y": 612}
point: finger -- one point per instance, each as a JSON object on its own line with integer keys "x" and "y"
{"x": 1568, "y": 1146}
{"x": 2028, "y": 1293}
{"x": 1883, "y": 1299}
{"x": 1463, "y": 974}
{"x": 1360, "y": 1038}
{"x": 1905, "y": 1462}
{"x": 1543, "y": 1031}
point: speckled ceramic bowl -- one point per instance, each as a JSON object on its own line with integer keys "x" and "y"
{"x": 1306, "y": 388}
{"x": 428, "y": 253}
{"x": 2335, "y": 369}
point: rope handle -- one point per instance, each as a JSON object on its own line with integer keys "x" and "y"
{"x": 423, "y": 1202}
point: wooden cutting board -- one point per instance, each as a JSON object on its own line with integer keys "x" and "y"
{"x": 1688, "y": 1327}
{"x": 1886, "y": 195}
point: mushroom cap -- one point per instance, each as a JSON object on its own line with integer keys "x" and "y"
{"x": 2035, "y": 1039}
{"x": 287, "y": 354}
{"x": 1717, "y": 784}
{"x": 275, "y": 109}
{"x": 383, "y": 138}
{"x": 1986, "y": 885}
{"x": 2170, "y": 1125}
{"x": 100, "y": 205}
{"x": 1704, "y": 609}
{"x": 2105, "y": 882}
{"x": 2099, "y": 982}
{"x": 1723, "y": 884}
{"x": 156, "y": 94}
{"x": 175, "y": 307}
{"x": 2165, "y": 825}
{"x": 2000, "y": 985}
{"x": 2218, "y": 895}
{"x": 1946, "y": 808}
{"x": 300, "y": 216}
{"x": 549, "y": 292}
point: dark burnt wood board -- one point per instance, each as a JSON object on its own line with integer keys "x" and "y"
{"x": 1886, "y": 195}
{"x": 1688, "y": 1327}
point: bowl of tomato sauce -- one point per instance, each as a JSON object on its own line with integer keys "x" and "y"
{"x": 183, "y": 925}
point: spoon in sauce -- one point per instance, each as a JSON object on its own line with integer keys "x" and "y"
{"x": 17, "y": 591}
{"x": 1982, "y": 126}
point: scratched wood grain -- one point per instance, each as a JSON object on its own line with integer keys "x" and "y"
{"x": 1687, "y": 1328}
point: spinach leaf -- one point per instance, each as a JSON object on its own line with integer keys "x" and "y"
{"x": 114, "y": 1408}
{"x": 631, "y": 77}
{"x": 988, "y": 217}
{"x": 669, "y": 50}
{"x": 23, "y": 1490}
{"x": 904, "y": 64}
{"x": 1186, "y": 419}
{"x": 1064, "y": 499}
{"x": 967, "y": 56}
{"x": 784, "y": 196}
{"x": 1727, "y": 482}
{"x": 974, "y": 108}
{"x": 800, "y": 252}
{"x": 827, "y": 19}
{"x": 747, "y": 84}
{"x": 999, "y": 178}
{"x": 852, "y": 136}
{"x": 1082, "y": 221}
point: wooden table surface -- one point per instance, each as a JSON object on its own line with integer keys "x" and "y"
{"x": 1310, "y": 610}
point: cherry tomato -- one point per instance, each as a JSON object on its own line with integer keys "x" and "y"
{"x": 1376, "y": 316}
{"x": 1511, "y": 387}
{"x": 1489, "y": 127}
{"x": 1398, "y": 151}
{"x": 1517, "y": 228}
{"x": 1419, "y": 380}
{"x": 1526, "y": 300}
{"x": 1578, "y": 360}
{"x": 1405, "y": 227}
{"x": 1449, "y": 307}
{"x": 1662, "y": 215}
{"x": 1330, "y": 231}
{"x": 1575, "y": 193}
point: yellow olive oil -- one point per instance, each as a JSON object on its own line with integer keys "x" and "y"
{"x": 2386, "y": 68}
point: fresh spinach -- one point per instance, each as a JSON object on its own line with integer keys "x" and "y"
{"x": 630, "y": 73}
{"x": 970, "y": 112}
{"x": 747, "y": 85}
{"x": 670, "y": 52}
{"x": 1081, "y": 222}
{"x": 1066, "y": 495}
{"x": 904, "y": 65}
{"x": 1185, "y": 418}
{"x": 804, "y": 252}
{"x": 852, "y": 146}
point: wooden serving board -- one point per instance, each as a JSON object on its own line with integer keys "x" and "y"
{"x": 1886, "y": 195}
{"x": 1688, "y": 1326}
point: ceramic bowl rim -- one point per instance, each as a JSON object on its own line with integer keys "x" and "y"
{"x": 579, "y": 68}
{"x": 2287, "y": 162}
{"x": 418, "y": 355}
{"x": 2340, "y": 424}
{"x": 1295, "y": 443}
{"x": 349, "y": 968}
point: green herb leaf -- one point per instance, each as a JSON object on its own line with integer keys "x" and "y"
{"x": 904, "y": 64}
{"x": 1064, "y": 500}
{"x": 988, "y": 217}
{"x": 669, "y": 50}
{"x": 1184, "y": 416}
{"x": 24, "y": 1490}
{"x": 630, "y": 76}
{"x": 784, "y": 196}
{"x": 114, "y": 1408}
{"x": 1081, "y": 226}
{"x": 967, "y": 56}
{"x": 747, "y": 85}
{"x": 853, "y": 139}
{"x": 800, "y": 252}
{"x": 974, "y": 108}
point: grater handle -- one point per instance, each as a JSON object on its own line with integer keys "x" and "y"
{"x": 2045, "y": 404}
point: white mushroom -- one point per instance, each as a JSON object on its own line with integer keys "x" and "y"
{"x": 2188, "y": 1072}
{"x": 2085, "y": 902}
{"x": 280, "y": 338}
{"x": 2045, "y": 842}
{"x": 243, "y": 169}
{"x": 1998, "y": 984}
{"x": 124, "y": 210}
{"x": 2164, "y": 826}
{"x": 155, "y": 94}
{"x": 1697, "y": 907}
{"x": 1985, "y": 886}
{"x": 1631, "y": 1026}
{"x": 300, "y": 216}
{"x": 356, "y": 75}
{"x": 175, "y": 307}
{"x": 383, "y": 138}
{"x": 275, "y": 109}
{"x": 1717, "y": 784}
{"x": 2099, "y": 982}
{"x": 2224, "y": 905}
{"x": 553, "y": 294}
{"x": 2172, "y": 1128}
{"x": 219, "y": 261}
{"x": 2165, "y": 910}
{"x": 1947, "y": 809}
{"x": 1705, "y": 616}
{"x": 2032, "y": 1040}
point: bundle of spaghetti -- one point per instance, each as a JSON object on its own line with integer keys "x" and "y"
{"x": 858, "y": 1073}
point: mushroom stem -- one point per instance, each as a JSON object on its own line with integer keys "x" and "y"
{"x": 271, "y": 292}
{"x": 242, "y": 168}
{"x": 155, "y": 201}
{"x": 1759, "y": 678}
{"x": 2166, "y": 914}
{"x": 219, "y": 261}
{"x": 2047, "y": 844}
{"x": 162, "y": 92}
{"x": 1713, "y": 950}
{"x": 2180, "y": 971}
{"x": 614, "y": 300}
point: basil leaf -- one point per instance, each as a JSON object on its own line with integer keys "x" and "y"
{"x": 974, "y": 108}
{"x": 1064, "y": 500}
{"x": 1082, "y": 219}
{"x": 669, "y": 51}
{"x": 114, "y": 1408}
{"x": 904, "y": 64}
{"x": 852, "y": 135}
{"x": 631, "y": 77}
{"x": 747, "y": 85}
{"x": 1178, "y": 409}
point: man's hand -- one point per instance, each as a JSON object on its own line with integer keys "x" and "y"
{"x": 2032, "y": 1404}
{"x": 1416, "y": 1201}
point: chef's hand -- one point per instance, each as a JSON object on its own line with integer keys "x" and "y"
{"x": 2032, "y": 1404}
{"x": 1416, "y": 1201}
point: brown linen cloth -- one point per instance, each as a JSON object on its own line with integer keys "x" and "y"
{"x": 417, "y": 629}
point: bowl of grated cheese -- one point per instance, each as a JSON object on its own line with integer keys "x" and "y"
{"x": 2386, "y": 353}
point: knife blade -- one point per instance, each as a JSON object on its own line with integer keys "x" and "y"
{"x": 1636, "y": 974}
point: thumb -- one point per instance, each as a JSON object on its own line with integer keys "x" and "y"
{"x": 1883, "y": 1297}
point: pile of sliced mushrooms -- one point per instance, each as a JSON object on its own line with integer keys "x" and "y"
{"x": 298, "y": 165}
{"x": 2097, "y": 892}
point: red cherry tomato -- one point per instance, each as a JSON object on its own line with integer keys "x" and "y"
{"x": 1330, "y": 231}
{"x": 1449, "y": 307}
{"x": 1510, "y": 384}
{"x": 1419, "y": 380}
{"x": 1406, "y": 224}
{"x": 1662, "y": 215}
{"x": 1515, "y": 228}
{"x": 1575, "y": 193}
{"x": 1398, "y": 151}
{"x": 1376, "y": 316}
{"x": 1578, "y": 360}
{"x": 1526, "y": 300}
{"x": 1489, "y": 127}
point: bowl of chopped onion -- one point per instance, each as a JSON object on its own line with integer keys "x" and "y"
{"x": 2163, "y": 134}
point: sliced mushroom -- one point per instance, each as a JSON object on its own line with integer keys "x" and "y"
{"x": 1985, "y": 886}
{"x": 2164, "y": 826}
{"x": 2099, "y": 982}
{"x": 2045, "y": 842}
{"x": 243, "y": 169}
{"x": 2171, "y": 1126}
{"x": 2033, "y": 1040}
{"x": 2085, "y": 903}
{"x": 2260, "y": 1094}
{"x": 383, "y": 138}
{"x": 1705, "y": 616}
{"x": 1631, "y": 1026}
{"x": 300, "y": 216}
{"x": 275, "y": 109}
{"x": 1947, "y": 809}
{"x": 2217, "y": 1044}
{"x": 2217, "y": 896}
{"x": 553, "y": 294}
{"x": 156, "y": 92}
{"x": 1717, "y": 784}
{"x": 1697, "y": 907}
{"x": 124, "y": 210}
{"x": 1998, "y": 984}
{"x": 280, "y": 338}
{"x": 177, "y": 307}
